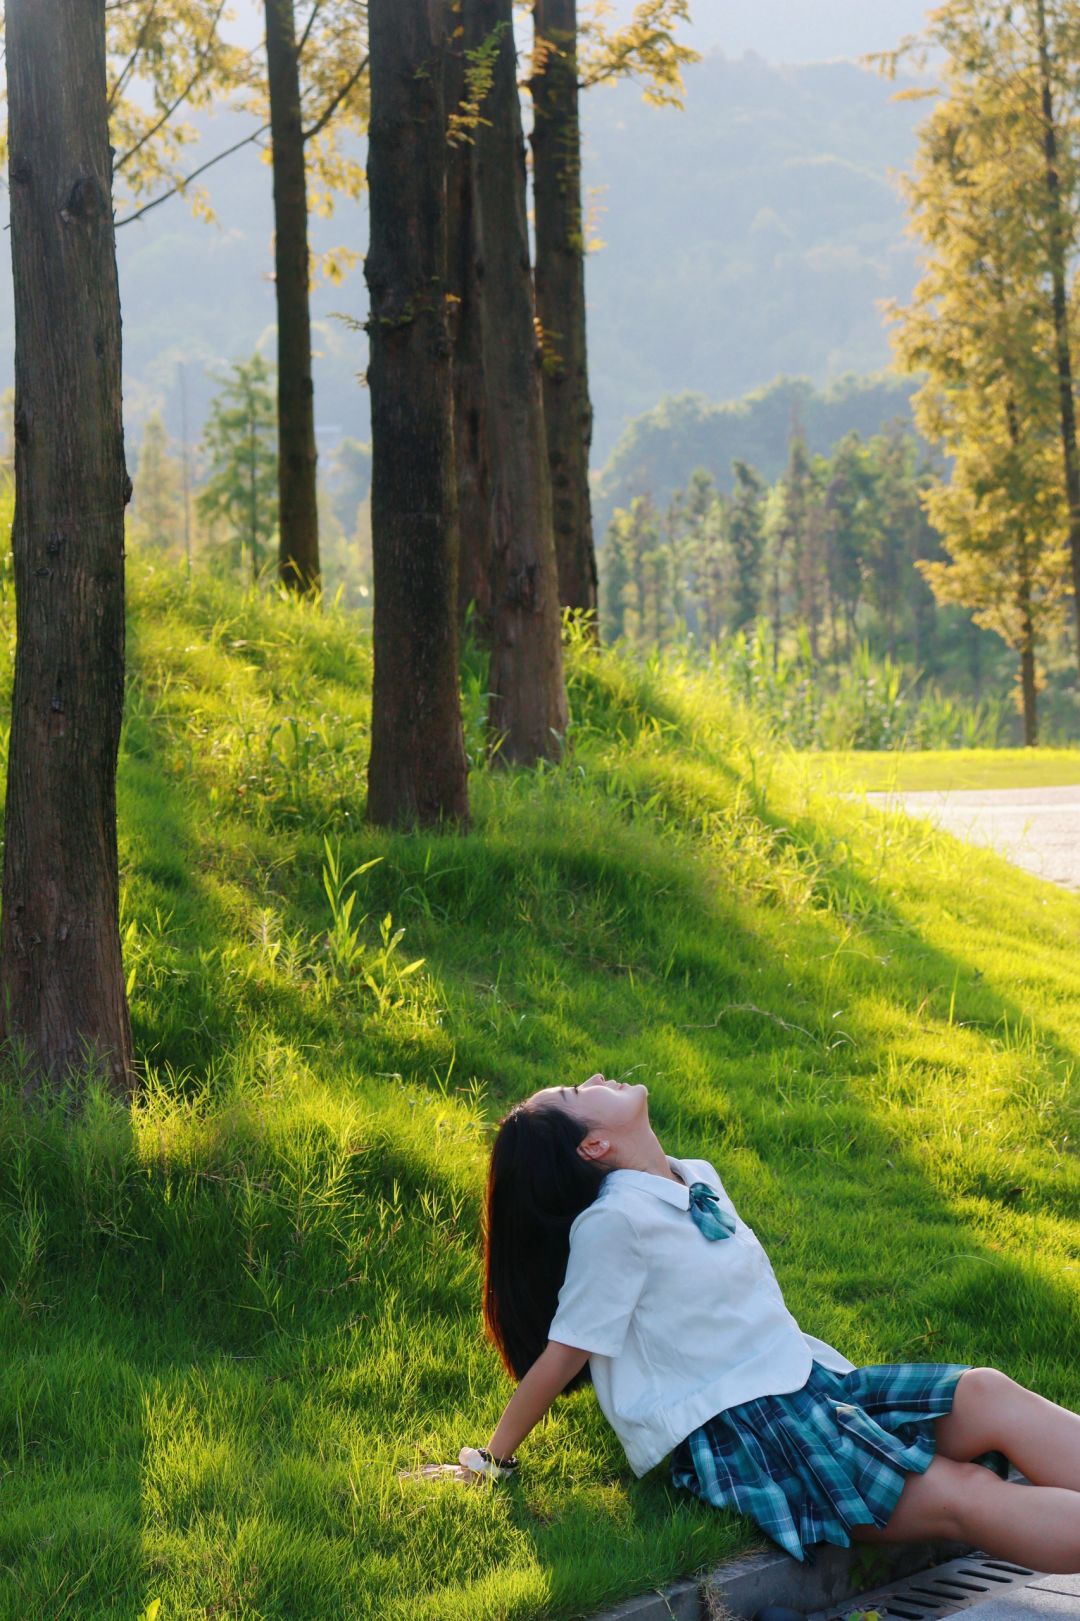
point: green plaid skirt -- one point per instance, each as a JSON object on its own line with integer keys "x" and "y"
{"x": 810, "y": 1464}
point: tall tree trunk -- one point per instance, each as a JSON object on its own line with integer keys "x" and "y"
{"x": 1027, "y": 656}
{"x": 973, "y": 638}
{"x": 1058, "y": 252}
{"x": 527, "y": 714}
{"x": 1028, "y": 686}
{"x": 924, "y": 607}
{"x": 830, "y": 609}
{"x": 417, "y": 770}
{"x": 61, "y": 977}
{"x": 560, "y": 297}
{"x": 775, "y": 615}
{"x": 298, "y": 514}
{"x": 475, "y": 530}
{"x": 254, "y": 499}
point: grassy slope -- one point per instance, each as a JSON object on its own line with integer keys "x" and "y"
{"x": 952, "y": 769}
{"x": 227, "y": 1322}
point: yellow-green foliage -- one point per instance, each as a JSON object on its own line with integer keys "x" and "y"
{"x": 228, "y": 1320}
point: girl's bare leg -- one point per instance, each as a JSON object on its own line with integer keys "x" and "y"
{"x": 991, "y": 1412}
{"x": 1036, "y": 1525}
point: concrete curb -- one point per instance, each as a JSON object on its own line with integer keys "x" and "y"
{"x": 742, "y": 1586}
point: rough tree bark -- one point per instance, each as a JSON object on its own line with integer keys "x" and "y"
{"x": 417, "y": 770}
{"x": 298, "y": 521}
{"x": 560, "y": 297}
{"x": 527, "y": 713}
{"x": 464, "y": 271}
{"x": 62, "y": 997}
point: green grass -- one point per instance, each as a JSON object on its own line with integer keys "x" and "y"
{"x": 229, "y": 1319}
{"x": 950, "y": 768}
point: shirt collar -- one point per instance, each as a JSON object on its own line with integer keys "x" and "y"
{"x": 673, "y": 1193}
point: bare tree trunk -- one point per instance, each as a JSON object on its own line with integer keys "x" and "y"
{"x": 1028, "y": 683}
{"x": 1027, "y": 668}
{"x": 527, "y": 714}
{"x": 253, "y": 504}
{"x": 560, "y": 297}
{"x": 1058, "y": 255}
{"x": 61, "y": 977}
{"x": 973, "y": 639}
{"x": 464, "y": 267}
{"x": 777, "y": 622}
{"x": 298, "y": 518}
{"x": 417, "y": 770}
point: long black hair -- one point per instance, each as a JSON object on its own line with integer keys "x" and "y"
{"x": 537, "y": 1184}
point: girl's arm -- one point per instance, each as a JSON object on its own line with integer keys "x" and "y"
{"x": 550, "y": 1373}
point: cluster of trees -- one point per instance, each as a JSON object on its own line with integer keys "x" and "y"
{"x": 478, "y": 386}
{"x": 838, "y": 545}
{"x": 991, "y": 328}
{"x": 215, "y": 504}
{"x": 306, "y": 91}
{"x": 480, "y": 416}
{"x": 660, "y": 450}
{"x": 990, "y": 334}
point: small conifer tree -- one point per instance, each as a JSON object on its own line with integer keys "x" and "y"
{"x": 240, "y": 444}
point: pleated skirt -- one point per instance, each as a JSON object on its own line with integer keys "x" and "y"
{"x": 810, "y": 1464}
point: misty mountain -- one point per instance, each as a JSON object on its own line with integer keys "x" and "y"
{"x": 801, "y": 30}
{"x": 749, "y": 236}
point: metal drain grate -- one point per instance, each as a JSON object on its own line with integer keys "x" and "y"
{"x": 944, "y": 1590}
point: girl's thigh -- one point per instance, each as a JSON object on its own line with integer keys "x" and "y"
{"x": 929, "y": 1505}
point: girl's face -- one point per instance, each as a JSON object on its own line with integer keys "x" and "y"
{"x": 602, "y": 1105}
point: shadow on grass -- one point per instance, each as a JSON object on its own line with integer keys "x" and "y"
{"x": 232, "y": 1446}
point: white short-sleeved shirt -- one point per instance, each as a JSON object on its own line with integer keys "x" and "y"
{"x": 678, "y": 1327}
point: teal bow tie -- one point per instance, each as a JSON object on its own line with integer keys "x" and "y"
{"x": 707, "y": 1214}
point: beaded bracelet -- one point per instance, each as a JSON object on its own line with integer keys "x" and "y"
{"x": 481, "y": 1462}
{"x": 508, "y": 1464}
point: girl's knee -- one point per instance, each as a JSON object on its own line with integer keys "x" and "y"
{"x": 950, "y": 1493}
{"x": 982, "y": 1403}
{"x": 970, "y": 1487}
{"x": 932, "y": 1504}
{"x": 984, "y": 1383}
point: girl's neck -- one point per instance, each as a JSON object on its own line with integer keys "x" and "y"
{"x": 645, "y": 1153}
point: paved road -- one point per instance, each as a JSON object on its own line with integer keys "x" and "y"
{"x": 1051, "y": 1599}
{"x": 1037, "y": 828}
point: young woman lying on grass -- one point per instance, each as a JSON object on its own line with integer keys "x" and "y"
{"x": 602, "y": 1249}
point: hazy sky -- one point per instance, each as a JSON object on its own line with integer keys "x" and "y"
{"x": 780, "y": 30}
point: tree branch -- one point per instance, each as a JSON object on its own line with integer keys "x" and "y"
{"x": 328, "y": 112}
{"x": 317, "y": 6}
{"x": 134, "y": 57}
{"x": 194, "y": 175}
{"x": 149, "y": 134}
{"x": 613, "y": 66}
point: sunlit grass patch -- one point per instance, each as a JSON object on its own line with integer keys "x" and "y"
{"x": 949, "y": 769}
{"x": 229, "y": 1318}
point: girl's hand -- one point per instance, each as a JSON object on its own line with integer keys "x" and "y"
{"x": 480, "y": 1463}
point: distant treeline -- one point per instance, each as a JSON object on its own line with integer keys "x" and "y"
{"x": 660, "y": 450}
{"x": 832, "y": 545}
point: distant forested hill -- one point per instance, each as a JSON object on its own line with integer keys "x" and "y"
{"x": 747, "y": 237}
{"x": 660, "y": 450}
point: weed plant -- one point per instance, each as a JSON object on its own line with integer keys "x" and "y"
{"x": 230, "y": 1316}
{"x": 868, "y": 702}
